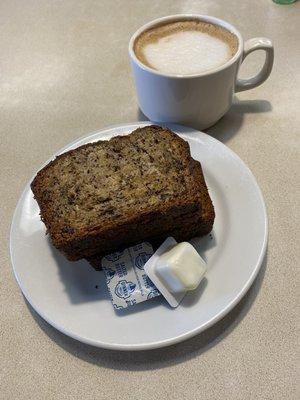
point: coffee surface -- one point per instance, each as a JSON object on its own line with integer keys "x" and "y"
{"x": 185, "y": 47}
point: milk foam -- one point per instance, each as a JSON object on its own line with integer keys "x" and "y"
{"x": 187, "y": 52}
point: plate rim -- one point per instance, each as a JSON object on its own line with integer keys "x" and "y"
{"x": 159, "y": 343}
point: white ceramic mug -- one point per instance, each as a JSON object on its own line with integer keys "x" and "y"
{"x": 198, "y": 100}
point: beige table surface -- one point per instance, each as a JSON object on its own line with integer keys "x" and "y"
{"x": 64, "y": 72}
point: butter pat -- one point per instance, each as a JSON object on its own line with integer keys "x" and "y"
{"x": 175, "y": 269}
{"x": 181, "y": 268}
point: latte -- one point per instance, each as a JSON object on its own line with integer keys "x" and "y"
{"x": 185, "y": 47}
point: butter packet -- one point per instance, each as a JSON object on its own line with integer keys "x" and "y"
{"x": 127, "y": 282}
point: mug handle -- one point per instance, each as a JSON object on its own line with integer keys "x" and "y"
{"x": 250, "y": 46}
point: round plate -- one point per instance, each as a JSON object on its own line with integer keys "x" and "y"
{"x": 73, "y": 297}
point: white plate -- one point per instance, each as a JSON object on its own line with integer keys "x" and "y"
{"x": 66, "y": 295}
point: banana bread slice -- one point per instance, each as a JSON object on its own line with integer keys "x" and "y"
{"x": 105, "y": 195}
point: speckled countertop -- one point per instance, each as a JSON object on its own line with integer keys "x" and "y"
{"x": 64, "y": 72}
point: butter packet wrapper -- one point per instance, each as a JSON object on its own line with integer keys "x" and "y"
{"x": 127, "y": 282}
